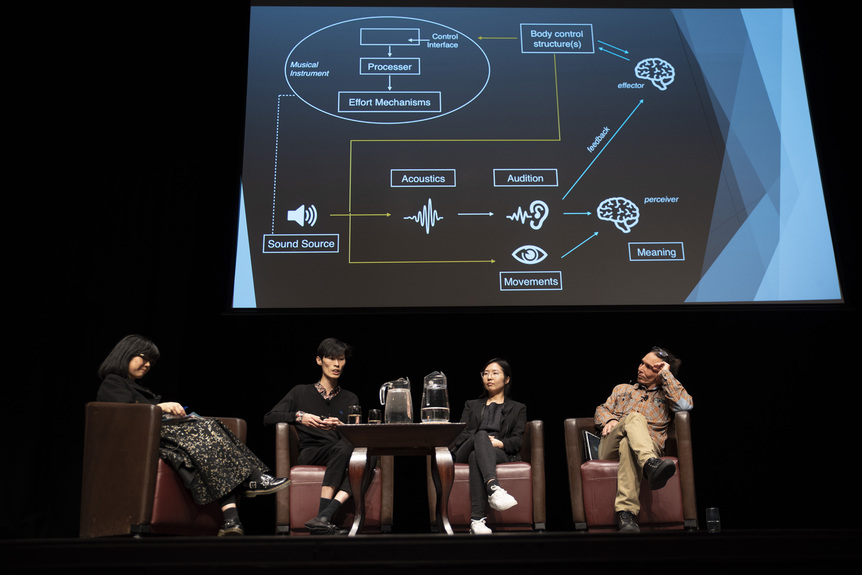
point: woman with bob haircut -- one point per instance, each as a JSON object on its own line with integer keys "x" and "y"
{"x": 212, "y": 462}
{"x": 495, "y": 429}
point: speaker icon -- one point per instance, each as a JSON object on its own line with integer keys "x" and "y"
{"x": 303, "y": 215}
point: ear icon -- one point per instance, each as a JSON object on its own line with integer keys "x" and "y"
{"x": 539, "y": 213}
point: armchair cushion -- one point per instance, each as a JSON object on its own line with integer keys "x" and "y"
{"x": 659, "y": 509}
{"x": 174, "y": 510}
{"x": 516, "y": 478}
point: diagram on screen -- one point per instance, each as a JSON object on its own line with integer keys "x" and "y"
{"x": 513, "y": 155}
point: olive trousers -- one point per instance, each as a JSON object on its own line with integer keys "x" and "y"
{"x": 630, "y": 443}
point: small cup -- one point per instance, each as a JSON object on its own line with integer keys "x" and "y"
{"x": 375, "y": 416}
{"x": 354, "y": 414}
{"x": 713, "y": 520}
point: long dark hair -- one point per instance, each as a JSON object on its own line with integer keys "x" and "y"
{"x": 117, "y": 362}
{"x": 507, "y": 372}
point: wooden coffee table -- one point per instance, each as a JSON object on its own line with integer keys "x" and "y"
{"x": 402, "y": 439}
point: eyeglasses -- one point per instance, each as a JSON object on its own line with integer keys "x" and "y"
{"x": 660, "y": 352}
{"x": 491, "y": 373}
{"x": 147, "y": 359}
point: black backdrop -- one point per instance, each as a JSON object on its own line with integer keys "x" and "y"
{"x": 128, "y": 168}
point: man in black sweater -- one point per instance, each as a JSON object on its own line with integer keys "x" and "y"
{"x": 317, "y": 409}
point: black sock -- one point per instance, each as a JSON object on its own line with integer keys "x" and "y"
{"x": 254, "y": 477}
{"x": 323, "y": 503}
{"x": 331, "y": 509}
{"x": 229, "y": 512}
{"x": 489, "y": 487}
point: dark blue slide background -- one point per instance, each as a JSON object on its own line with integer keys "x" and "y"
{"x": 700, "y": 180}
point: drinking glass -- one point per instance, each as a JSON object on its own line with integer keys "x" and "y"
{"x": 354, "y": 414}
{"x": 713, "y": 520}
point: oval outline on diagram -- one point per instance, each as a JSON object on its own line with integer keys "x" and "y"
{"x": 302, "y": 93}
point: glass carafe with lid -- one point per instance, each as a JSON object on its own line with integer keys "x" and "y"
{"x": 396, "y": 401}
{"x": 435, "y": 399}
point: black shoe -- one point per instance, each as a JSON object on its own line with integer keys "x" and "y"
{"x": 231, "y": 527}
{"x": 265, "y": 486}
{"x": 626, "y": 522}
{"x": 658, "y": 471}
{"x": 318, "y": 526}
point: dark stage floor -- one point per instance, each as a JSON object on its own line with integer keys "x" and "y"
{"x": 541, "y": 553}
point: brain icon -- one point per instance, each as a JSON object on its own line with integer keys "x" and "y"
{"x": 622, "y": 212}
{"x": 657, "y": 71}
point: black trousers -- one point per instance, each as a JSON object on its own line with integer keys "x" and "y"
{"x": 336, "y": 457}
{"x": 482, "y": 457}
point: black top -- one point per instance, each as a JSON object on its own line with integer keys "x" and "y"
{"x": 513, "y": 423}
{"x": 125, "y": 390}
{"x": 307, "y": 398}
{"x": 492, "y": 418}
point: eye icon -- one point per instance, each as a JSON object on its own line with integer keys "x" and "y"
{"x": 529, "y": 254}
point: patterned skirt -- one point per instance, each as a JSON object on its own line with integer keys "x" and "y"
{"x": 209, "y": 458}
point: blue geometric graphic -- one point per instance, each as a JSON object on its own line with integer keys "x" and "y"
{"x": 769, "y": 206}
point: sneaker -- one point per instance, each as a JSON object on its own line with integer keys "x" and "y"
{"x": 626, "y": 522}
{"x": 658, "y": 471}
{"x": 478, "y": 527}
{"x": 267, "y": 484}
{"x": 231, "y": 527}
{"x": 499, "y": 500}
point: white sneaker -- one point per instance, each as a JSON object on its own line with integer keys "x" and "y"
{"x": 478, "y": 527}
{"x": 500, "y": 500}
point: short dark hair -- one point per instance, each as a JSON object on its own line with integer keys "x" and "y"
{"x": 117, "y": 362}
{"x": 332, "y": 347}
{"x": 666, "y": 356}
{"x": 507, "y": 372}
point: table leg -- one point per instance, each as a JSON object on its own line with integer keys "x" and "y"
{"x": 356, "y": 472}
{"x": 443, "y": 475}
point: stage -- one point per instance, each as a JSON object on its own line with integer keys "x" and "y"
{"x": 141, "y": 233}
{"x": 567, "y": 552}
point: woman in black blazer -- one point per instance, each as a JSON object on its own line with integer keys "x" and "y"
{"x": 495, "y": 428}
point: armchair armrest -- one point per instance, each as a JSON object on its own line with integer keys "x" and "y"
{"x": 681, "y": 430}
{"x": 575, "y": 457}
{"x": 121, "y": 454}
{"x": 285, "y": 457}
{"x": 535, "y": 435}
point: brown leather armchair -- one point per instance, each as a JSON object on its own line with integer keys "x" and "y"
{"x": 299, "y": 502}
{"x": 127, "y": 489}
{"x": 524, "y": 480}
{"x": 593, "y": 483}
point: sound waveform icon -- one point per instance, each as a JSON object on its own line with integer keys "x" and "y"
{"x": 427, "y": 217}
{"x": 520, "y": 215}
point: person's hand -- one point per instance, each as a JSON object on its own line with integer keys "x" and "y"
{"x": 609, "y": 426}
{"x": 311, "y": 420}
{"x": 317, "y": 422}
{"x": 496, "y": 442}
{"x": 660, "y": 367}
{"x": 172, "y": 408}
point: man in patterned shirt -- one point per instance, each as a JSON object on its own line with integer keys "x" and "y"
{"x": 633, "y": 423}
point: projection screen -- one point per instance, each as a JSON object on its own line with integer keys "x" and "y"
{"x": 517, "y": 157}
